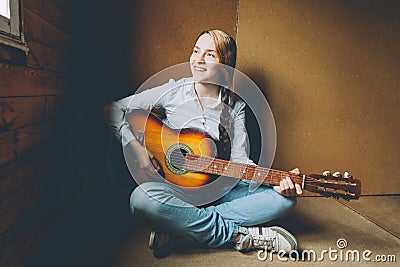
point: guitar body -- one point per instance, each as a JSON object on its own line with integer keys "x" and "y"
{"x": 163, "y": 141}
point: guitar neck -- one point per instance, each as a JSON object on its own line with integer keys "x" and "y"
{"x": 237, "y": 170}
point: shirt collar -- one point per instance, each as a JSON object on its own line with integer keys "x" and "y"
{"x": 190, "y": 91}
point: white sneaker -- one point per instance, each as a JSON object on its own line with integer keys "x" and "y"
{"x": 271, "y": 238}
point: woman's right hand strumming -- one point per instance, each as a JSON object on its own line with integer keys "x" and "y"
{"x": 145, "y": 158}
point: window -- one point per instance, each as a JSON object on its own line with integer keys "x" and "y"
{"x": 10, "y": 24}
{"x": 5, "y": 8}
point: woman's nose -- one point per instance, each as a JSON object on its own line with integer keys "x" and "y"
{"x": 199, "y": 57}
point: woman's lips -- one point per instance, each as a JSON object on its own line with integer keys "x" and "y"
{"x": 196, "y": 68}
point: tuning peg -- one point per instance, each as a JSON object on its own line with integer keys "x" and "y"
{"x": 348, "y": 175}
{"x": 337, "y": 174}
{"x": 326, "y": 173}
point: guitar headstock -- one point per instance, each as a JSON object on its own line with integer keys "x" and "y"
{"x": 334, "y": 185}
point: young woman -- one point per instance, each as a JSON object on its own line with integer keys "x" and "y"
{"x": 196, "y": 102}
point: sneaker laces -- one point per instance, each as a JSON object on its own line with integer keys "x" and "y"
{"x": 261, "y": 241}
{"x": 269, "y": 238}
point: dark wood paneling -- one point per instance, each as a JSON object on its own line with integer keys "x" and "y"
{"x": 65, "y": 5}
{"x": 31, "y": 136}
{"x": 22, "y": 111}
{"x": 18, "y": 245}
{"x": 16, "y": 112}
{"x": 18, "y": 142}
{"x": 12, "y": 55}
{"x": 53, "y": 106}
{"x": 14, "y": 206}
{"x": 21, "y": 186}
{"x": 39, "y": 30}
{"x": 51, "y": 13}
{"x": 19, "y": 81}
{"x": 18, "y": 173}
{"x": 6, "y": 147}
{"x": 31, "y": 95}
{"x": 46, "y": 58}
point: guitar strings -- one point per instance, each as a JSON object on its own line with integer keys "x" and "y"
{"x": 198, "y": 163}
{"x": 202, "y": 163}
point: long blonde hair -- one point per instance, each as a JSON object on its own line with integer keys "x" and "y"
{"x": 226, "y": 48}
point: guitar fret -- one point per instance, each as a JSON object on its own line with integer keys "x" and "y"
{"x": 272, "y": 174}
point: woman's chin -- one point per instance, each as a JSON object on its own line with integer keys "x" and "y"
{"x": 199, "y": 77}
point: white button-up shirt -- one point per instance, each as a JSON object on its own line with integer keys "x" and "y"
{"x": 183, "y": 110}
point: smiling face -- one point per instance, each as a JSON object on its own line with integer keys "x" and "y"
{"x": 204, "y": 58}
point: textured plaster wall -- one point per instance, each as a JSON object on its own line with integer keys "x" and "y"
{"x": 163, "y": 33}
{"x": 330, "y": 70}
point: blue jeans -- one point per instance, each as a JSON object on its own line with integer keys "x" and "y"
{"x": 215, "y": 224}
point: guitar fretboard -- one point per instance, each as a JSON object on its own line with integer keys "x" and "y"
{"x": 236, "y": 170}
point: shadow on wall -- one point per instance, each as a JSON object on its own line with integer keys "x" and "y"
{"x": 253, "y": 127}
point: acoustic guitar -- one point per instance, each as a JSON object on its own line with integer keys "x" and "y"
{"x": 188, "y": 158}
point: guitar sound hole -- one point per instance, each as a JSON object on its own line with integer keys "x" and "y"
{"x": 177, "y": 158}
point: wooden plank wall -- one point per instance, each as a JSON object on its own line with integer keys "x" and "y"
{"x": 32, "y": 89}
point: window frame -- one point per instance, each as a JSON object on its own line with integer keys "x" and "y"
{"x": 11, "y": 33}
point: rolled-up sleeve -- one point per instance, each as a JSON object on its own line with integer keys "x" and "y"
{"x": 115, "y": 112}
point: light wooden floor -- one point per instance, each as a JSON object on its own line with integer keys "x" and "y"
{"x": 103, "y": 234}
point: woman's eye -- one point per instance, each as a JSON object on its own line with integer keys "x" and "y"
{"x": 210, "y": 55}
{"x": 195, "y": 51}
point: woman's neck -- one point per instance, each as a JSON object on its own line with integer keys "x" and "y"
{"x": 206, "y": 90}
